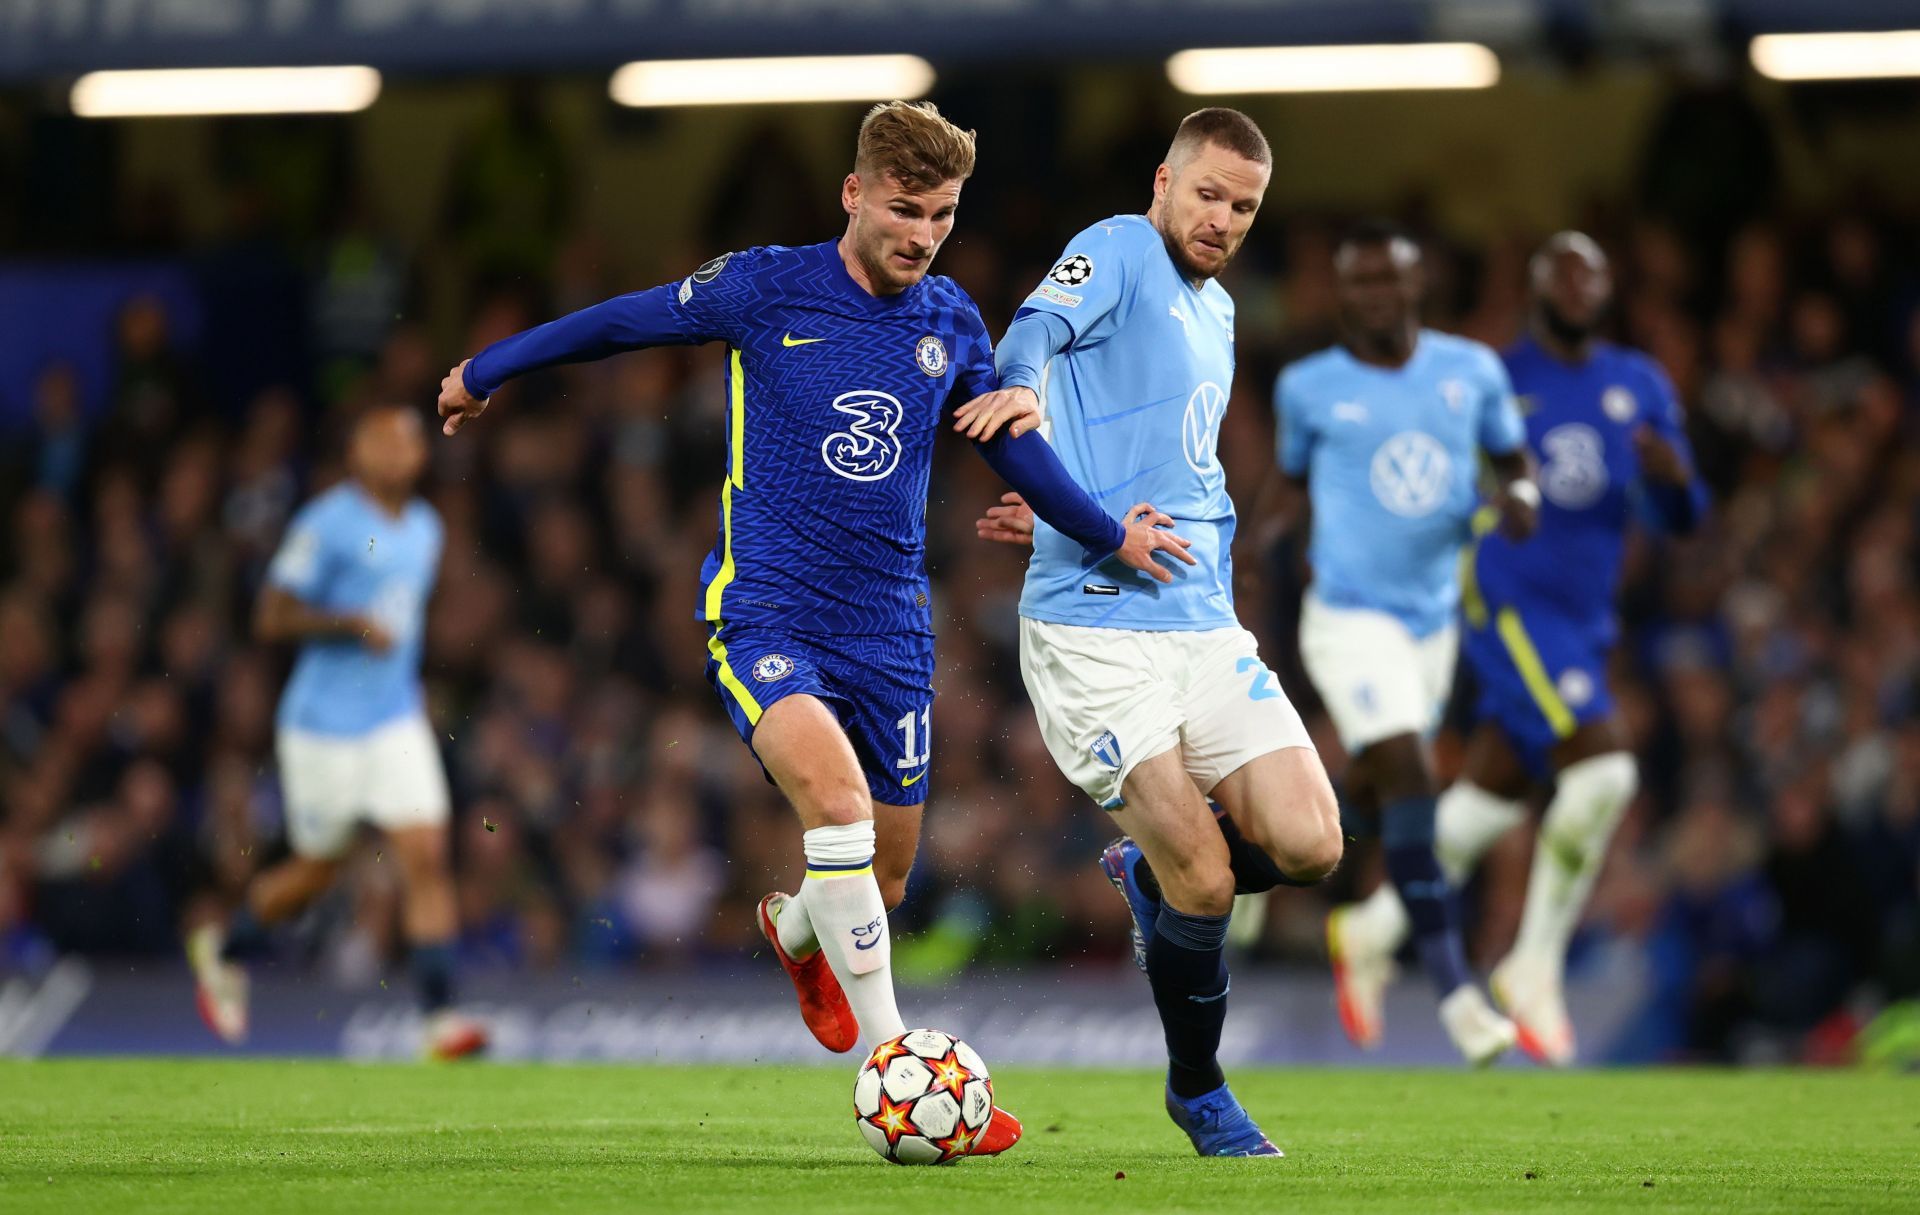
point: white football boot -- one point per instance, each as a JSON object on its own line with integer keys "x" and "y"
{"x": 220, "y": 986}
{"x": 1362, "y": 969}
{"x": 452, "y": 1035}
{"x": 1533, "y": 996}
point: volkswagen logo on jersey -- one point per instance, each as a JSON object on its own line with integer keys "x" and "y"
{"x": 1200, "y": 429}
{"x": 773, "y": 667}
{"x": 868, "y": 449}
{"x": 931, "y": 355}
{"x": 1106, "y": 749}
{"x": 1411, "y": 474}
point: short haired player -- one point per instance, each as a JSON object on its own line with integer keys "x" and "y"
{"x": 1386, "y": 432}
{"x": 1606, "y": 429}
{"x": 1150, "y": 695}
{"x": 842, "y": 358}
{"x": 350, "y": 586}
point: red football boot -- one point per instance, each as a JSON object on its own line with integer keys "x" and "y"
{"x": 822, "y": 1004}
{"x": 1003, "y": 1131}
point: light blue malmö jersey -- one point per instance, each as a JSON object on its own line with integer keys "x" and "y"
{"x": 345, "y": 553}
{"x": 1391, "y": 459}
{"x": 1133, "y": 407}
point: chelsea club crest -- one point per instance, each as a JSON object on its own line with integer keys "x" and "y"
{"x": 773, "y": 667}
{"x": 931, "y": 355}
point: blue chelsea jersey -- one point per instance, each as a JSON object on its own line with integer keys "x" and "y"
{"x": 1391, "y": 460}
{"x": 1580, "y": 421}
{"x": 834, "y": 397}
{"x": 1133, "y": 407}
{"x": 344, "y": 553}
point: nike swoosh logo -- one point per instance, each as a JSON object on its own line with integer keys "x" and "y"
{"x": 866, "y": 944}
{"x": 909, "y": 780}
{"x": 789, "y": 340}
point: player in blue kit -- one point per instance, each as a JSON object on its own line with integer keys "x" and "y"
{"x": 1387, "y": 430}
{"x": 842, "y": 359}
{"x": 1150, "y": 695}
{"x": 350, "y": 586}
{"x": 1607, "y": 432}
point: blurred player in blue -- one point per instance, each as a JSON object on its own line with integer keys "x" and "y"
{"x": 1150, "y": 695}
{"x": 842, "y": 359}
{"x": 1387, "y": 430}
{"x": 1607, "y": 431}
{"x": 350, "y": 586}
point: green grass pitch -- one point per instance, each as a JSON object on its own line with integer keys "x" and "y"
{"x": 209, "y": 1137}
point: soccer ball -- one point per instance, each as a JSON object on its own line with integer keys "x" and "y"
{"x": 923, "y": 1098}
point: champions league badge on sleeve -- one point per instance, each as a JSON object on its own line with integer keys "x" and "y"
{"x": 1072, "y": 270}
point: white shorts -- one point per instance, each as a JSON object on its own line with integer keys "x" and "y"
{"x": 390, "y": 777}
{"x": 1375, "y": 677}
{"x": 1110, "y": 699}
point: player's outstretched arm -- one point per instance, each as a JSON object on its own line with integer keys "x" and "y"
{"x": 687, "y": 313}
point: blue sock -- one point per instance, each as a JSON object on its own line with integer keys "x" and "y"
{"x": 1406, "y": 828}
{"x": 1187, "y": 968}
{"x": 432, "y": 967}
{"x": 247, "y": 937}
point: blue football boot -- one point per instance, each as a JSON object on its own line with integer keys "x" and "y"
{"x": 1118, "y": 863}
{"x": 1218, "y": 1125}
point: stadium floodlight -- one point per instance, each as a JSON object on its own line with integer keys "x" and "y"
{"x": 264, "y": 90}
{"x": 1864, "y": 56}
{"x": 1334, "y": 69}
{"x": 658, "y": 82}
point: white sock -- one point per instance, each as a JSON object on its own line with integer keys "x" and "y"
{"x": 1586, "y": 807}
{"x": 794, "y": 927}
{"x": 1470, "y": 821}
{"x": 842, "y": 901}
{"x": 1467, "y": 823}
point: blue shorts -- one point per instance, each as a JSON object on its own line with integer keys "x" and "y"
{"x": 881, "y": 689}
{"x": 1541, "y": 677}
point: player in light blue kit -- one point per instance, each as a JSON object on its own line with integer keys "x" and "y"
{"x": 1387, "y": 430}
{"x": 1607, "y": 431}
{"x": 350, "y": 586}
{"x": 1150, "y": 696}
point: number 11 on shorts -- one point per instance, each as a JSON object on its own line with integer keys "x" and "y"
{"x": 916, "y": 731}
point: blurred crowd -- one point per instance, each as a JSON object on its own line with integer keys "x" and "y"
{"x": 1768, "y": 876}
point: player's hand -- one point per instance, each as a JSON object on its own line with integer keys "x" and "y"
{"x": 1145, "y": 537}
{"x": 1009, "y": 523}
{"x": 1659, "y": 460}
{"x": 1018, "y": 409}
{"x": 457, "y": 405}
{"x": 374, "y": 637}
{"x": 1519, "y": 504}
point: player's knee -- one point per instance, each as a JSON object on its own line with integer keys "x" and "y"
{"x": 1317, "y": 857}
{"x": 893, "y": 887}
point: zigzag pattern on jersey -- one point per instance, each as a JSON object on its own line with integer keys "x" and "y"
{"x": 831, "y": 426}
